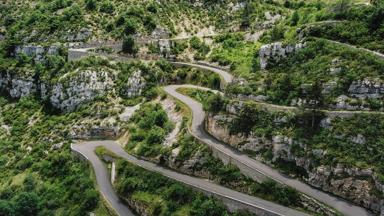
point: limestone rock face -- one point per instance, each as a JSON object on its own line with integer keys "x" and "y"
{"x": 84, "y": 86}
{"x": 21, "y": 88}
{"x": 352, "y": 183}
{"x": 367, "y": 89}
{"x": 81, "y": 35}
{"x": 134, "y": 85}
{"x": 37, "y": 52}
{"x": 270, "y": 19}
{"x": 344, "y": 102}
{"x": 72, "y": 89}
{"x": 16, "y": 86}
{"x": 160, "y": 33}
{"x": 276, "y": 51}
{"x": 165, "y": 47}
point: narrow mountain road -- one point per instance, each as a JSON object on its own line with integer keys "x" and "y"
{"x": 254, "y": 168}
{"x": 198, "y": 130}
{"x": 103, "y": 180}
{"x": 227, "y": 77}
{"x": 87, "y": 149}
{"x": 380, "y": 55}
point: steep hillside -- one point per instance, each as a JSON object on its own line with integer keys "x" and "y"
{"x": 307, "y": 100}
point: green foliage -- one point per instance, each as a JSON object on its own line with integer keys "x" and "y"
{"x": 201, "y": 48}
{"x": 130, "y": 27}
{"x": 215, "y": 103}
{"x": 90, "y": 4}
{"x": 178, "y": 47}
{"x": 40, "y": 183}
{"x": 162, "y": 196}
{"x": 305, "y": 73}
{"x": 285, "y": 196}
{"x": 232, "y": 50}
{"x": 26, "y": 204}
{"x": 107, "y": 6}
{"x": 295, "y": 18}
{"x": 148, "y": 132}
{"x": 129, "y": 45}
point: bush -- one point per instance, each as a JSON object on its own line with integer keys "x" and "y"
{"x": 130, "y": 27}
{"x": 107, "y": 7}
{"x": 90, "y": 4}
{"x": 129, "y": 45}
{"x": 215, "y": 103}
{"x": 26, "y": 204}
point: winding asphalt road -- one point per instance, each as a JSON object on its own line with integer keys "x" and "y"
{"x": 87, "y": 149}
{"x": 102, "y": 178}
{"x": 197, "y": 129}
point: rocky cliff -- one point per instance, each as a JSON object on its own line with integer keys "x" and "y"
{"x": 276, "y": 51}
{"x": 82, "y": 87}
{"x": 357, "y": 185}
{"x": 71, "y": 90}
{"x": 367, "y": 88}
{"x": 37, "y": 52}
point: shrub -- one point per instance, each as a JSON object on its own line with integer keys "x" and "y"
{"x": 129, "y": 45}
{"x": 90, "y": 4}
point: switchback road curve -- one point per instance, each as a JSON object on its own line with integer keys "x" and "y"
{"x": 87, "y": 150}
{"x": 254, "y": 168}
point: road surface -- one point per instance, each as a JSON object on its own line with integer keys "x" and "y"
{"x": 87, "y": 149}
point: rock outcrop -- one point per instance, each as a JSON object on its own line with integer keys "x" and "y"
{"x": 72, "y": 91}
{"x": 276, "y": 51}
{"x": 37, "y": 52}
{"x": 16, "y": 86}
{"x": 270, "y": 19}
{"x": 354, "y": 184}
{"x": 95, "y": 128}
{"x": 367, "y": 88}
{"x": 135, "y": 85}
{"x": 82, "y": 35}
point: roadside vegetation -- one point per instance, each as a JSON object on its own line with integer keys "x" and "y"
{"x": 150, "y": 125}
{"x": 39, "y": 174}
{"x": 158, "y": 195}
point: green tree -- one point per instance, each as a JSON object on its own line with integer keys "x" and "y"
{"x": 107, "y": 7}
{"x": 295, "y": 18}
{"x": 90, "y": 4}
{"x": 91, "y": 200}
{"x": 29, "y": 182}
{"x": 341, "y": 8}
{"x": 129, "y": 45}
{"x": 6, "y": 208}
{"x": 26, "y": 204}
{"x": 376, "y": 19}
{"x": 130, "y": 27}
{"x": 207, "y": 207}
{"x": 215, "y": 103}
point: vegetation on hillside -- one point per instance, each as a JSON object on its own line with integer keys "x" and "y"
{"x": 162, "y": 196}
